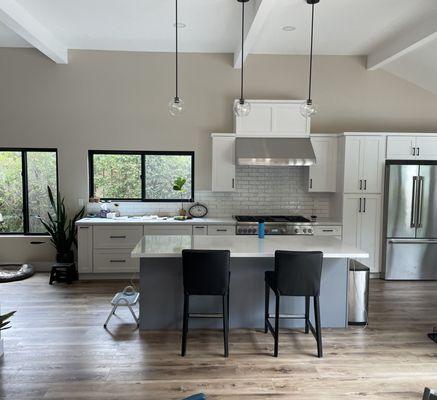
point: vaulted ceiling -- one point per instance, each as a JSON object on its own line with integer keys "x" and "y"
{"x": 397, "y": 35}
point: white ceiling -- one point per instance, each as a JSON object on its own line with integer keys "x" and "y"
{"x": 343, "y": 27}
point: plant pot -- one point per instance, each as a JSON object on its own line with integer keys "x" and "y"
{"x": 65, "y": 258}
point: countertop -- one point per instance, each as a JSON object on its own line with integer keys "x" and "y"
{"x": 169, "y": 220}
{"x": 154, "y": 246}
{"x": 155, "y": 221}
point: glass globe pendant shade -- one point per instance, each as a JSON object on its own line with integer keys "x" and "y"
{"x": 308, "y": 109}
{"x": 241, "y": 108}
{"x": 176, "y": 106}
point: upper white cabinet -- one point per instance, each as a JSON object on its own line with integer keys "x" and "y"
{"x": 323, "y": 174}
{"x": 273, "y": 117}
{"x": 412, "y": 148}
{"x": 363, "y": 164}
{"x": 223, "y": 163}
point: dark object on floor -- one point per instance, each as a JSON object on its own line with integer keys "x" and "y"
{"x": 206, "y": 273}
{"x": 429, "y": 394}
{"x": 433, "y": 335}
{"x": 63, "y": 273}
{"x": 198, "y": 396}
{"x": 15, "y": 272}
{"x": 297, "y": 273}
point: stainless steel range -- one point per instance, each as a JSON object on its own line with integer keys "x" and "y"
{"x": 274, "y": 225}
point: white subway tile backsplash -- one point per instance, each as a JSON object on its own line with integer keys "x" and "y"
{"x": 259, "y": 190}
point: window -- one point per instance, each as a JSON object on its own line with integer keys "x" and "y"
{"x": 141, "y": 175}
{"x": 24, "y": 177}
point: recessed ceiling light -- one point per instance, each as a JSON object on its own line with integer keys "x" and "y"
{"x": 288, "y": 28}
{"x": 180, "y": 25}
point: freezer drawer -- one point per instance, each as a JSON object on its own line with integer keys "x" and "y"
{"x": 410, "y": 259}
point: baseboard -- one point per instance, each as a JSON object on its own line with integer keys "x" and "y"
{"x": 118, "y": 277}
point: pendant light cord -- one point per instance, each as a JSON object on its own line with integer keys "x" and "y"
{"x": 177, "y": 52}
{"x": 242, "y": 55}
{"x": 311, "y": 55}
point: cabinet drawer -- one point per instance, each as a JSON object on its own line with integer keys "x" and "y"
{"x": 168, "y": 230}
{"x": 327, "y": 230}
{"x": 115, "y": 261}
{"x": 116, "y": 237}
{"x": 199, "y": 230}
{"x": 221, "y": 230}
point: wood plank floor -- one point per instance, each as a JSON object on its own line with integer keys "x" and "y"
{"x": 58, "y": 349}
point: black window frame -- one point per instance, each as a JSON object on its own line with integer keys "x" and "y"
{"x": 25, "y": 185}
{"x": 143, "y": 177}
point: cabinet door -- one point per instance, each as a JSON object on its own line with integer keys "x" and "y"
{"x": 200, "y": 230}
{"x": 426, "y": 148}
{"x": 352, "y": 165}
{"x": 223, "y": 164}
{"x": 401, "y": 148}
{"x": 259, "y": 120}
{"x": 323, "y": 175}
{"x": 287, "y": 119}
{"x": 370, "y": 234}
{"x": 372, "y": 154}
{"x": 352, "y": 219}
{"x": 85, "y": 249}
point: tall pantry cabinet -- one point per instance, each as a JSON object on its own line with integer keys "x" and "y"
{"x": 362, "y": 161}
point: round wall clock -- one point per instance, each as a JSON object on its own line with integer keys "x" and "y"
{"x": 198, "y": 210}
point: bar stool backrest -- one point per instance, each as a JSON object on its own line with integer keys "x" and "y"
{"x": 206, "y": 272}
{"x": 298, "y": 273}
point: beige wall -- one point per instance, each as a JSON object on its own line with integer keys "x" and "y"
{"x": 103, "y": 100}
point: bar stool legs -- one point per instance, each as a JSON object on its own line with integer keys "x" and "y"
{"x": 185, "y": 324}
{"x": 316, "y": 331}
{"x": 224, "y": 315}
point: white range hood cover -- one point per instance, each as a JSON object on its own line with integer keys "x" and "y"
{"x": 274, "y": 151}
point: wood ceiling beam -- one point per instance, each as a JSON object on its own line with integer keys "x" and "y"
{"x": 421, "y": 34}
{"x": 19, "y": 20}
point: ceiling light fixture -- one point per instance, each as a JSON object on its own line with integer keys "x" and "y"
{"x": 241, "y": 106}
{"x": 308, "y": 109}
{"x": 176, "y": 105}
{"x": 288, "y": 28}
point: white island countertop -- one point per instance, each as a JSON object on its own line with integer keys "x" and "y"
{"x": 163, "y": 246}
{"x": 145, "y": 220}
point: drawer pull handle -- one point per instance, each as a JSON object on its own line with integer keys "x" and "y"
{"x": 221, "y": 230}
{"x": 117, "y": 237}
{"x": 117, "y": 261}
{"x": 199, "y": 227}
{"x": 327, "y": 230}
{"x": 37, "y": 242}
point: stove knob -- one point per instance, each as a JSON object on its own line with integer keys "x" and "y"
{"x": 296, "y": 231}
{"x": 310, "y": 231}
{"x": 304, "y": 230}
{"x": 244, "y": 230}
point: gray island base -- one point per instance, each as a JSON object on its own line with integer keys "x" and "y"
{"x": 161, "y": 288}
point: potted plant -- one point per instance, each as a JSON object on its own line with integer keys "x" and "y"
{"x": 178, "y": 186}
{"x": 4, "y": 320}
{"x": 63, "y": 230}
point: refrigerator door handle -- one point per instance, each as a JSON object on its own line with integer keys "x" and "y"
{"x": 413, "y": 203}
{"x": 419, "y": 201}
{"x": 413, "y": 241}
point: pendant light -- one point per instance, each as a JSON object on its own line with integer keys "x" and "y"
{"x": 241, "y": 106}
{"x": 176, "y": 105}
{"x": 308, "y": 109}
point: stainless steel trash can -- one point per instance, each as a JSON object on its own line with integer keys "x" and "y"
{"x": 358, "y": 293}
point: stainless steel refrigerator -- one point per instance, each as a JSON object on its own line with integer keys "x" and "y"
{"x": 410, "y": 220}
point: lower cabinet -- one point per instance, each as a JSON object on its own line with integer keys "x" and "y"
{"x": 221, "y": 230}
{"x": 328, "y": 230}
{"x": 362, "y": 226}
{"x": 114, "y": 261}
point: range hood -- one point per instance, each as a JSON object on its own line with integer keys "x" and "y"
{"x": 274, "y": 151}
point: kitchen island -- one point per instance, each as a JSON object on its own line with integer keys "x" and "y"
{"x": 161, "y": 288}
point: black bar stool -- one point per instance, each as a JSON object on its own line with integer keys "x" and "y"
{"x": 297, "y": 273}
{"x": 206, "y": 273}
